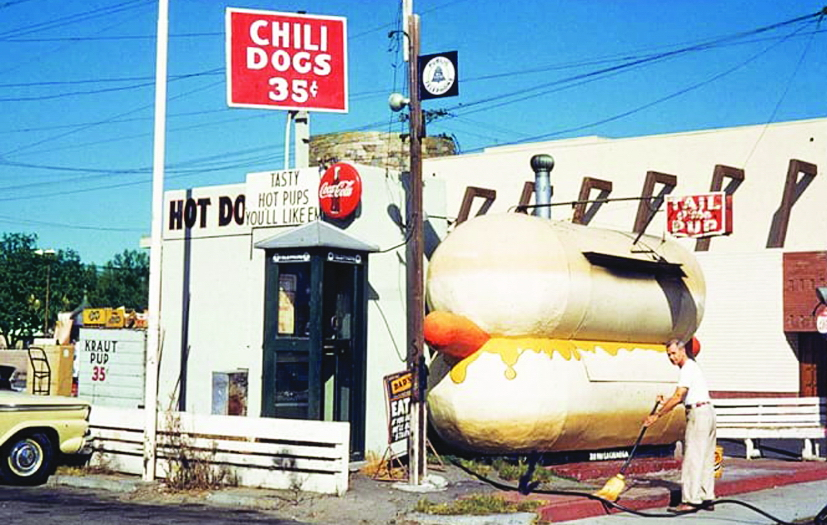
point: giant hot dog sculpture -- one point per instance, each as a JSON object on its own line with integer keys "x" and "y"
{"x": 549, "y": 335}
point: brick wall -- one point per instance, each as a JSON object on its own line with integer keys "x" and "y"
{"x": 803, "y": 272}
{"x": 374, "y": 148}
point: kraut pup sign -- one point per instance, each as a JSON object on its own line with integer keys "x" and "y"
{"x": 268, "y": 199}
{"x": 111, "y": 366}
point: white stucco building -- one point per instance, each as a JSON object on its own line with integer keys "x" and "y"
{"x": 235, "y": 255}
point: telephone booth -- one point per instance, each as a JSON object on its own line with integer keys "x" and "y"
{"x": 315, "y": 327}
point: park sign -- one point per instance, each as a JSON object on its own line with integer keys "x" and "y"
{"x": 702, "y": 215}
{"x": 286, "y": 61}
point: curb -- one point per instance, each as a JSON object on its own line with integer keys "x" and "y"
{"x": 112, "y": 484}
{"x": 251, "y": 501}
{"x": 567, "y": 508}
{"x": 517, "y": 518}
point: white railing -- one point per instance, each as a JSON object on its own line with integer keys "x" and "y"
{"x": 752, "y": 419}
{"x": 259, "y": 452}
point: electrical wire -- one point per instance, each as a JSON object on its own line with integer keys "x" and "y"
{"x": 78, "y": 17}
{"x": 784, "y": 94}
{"x": 705, "y": 45}
{"x": 465, "y": 106}
{"x": 647, "y": 105}
{"x": 18, "y": 220}
{"x": 119, "y": 115}
{"x": 630, "y": 64}
{"x": 106, "y": 38}
{"x": 18, "y": 64}
{"x": 148, "y": 83}
{"x": 10, "y": 3}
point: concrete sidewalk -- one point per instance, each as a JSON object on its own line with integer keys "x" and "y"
{"x": 789, "y": 490}
{"x": 788, "y": 503}
{"x": 653, "y": 491}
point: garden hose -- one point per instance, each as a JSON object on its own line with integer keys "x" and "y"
{"x": 820, "y": 519}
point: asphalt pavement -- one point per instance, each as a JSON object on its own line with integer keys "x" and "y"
{"x": 786, "y": 490}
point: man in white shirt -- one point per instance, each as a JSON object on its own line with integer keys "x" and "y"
{"x": 698, "y": 468}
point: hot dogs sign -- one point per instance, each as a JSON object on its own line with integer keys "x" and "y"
{"x": 268, "y": 199}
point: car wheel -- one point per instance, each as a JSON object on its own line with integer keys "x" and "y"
{"x": 28, "y": 459}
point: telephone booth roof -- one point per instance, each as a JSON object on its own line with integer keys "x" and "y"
{"x": 317, "y": 234}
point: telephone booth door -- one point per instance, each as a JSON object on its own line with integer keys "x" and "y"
{"x": 315, "y": 337}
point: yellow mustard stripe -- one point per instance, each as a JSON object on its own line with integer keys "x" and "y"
{"x": 511, "y": 348}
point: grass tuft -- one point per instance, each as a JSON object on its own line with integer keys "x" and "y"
{"x": 477, "y": 505}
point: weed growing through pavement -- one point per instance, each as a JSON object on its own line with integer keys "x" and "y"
{"x": 477, "y": 505}
{"x": 93, "y": 461}
{"x": 191, "y": 467}
{"x": 508, "y": 469}
{"x": 382, "y": 467}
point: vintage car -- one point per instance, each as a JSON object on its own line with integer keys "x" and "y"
{"x": 35, "y": 431}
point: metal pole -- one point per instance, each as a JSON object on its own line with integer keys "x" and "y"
{"x": 542, "y": 165}
{"x": 155, "y": 258}
{"x": 413, "y": 257}
{"x": 46, "y": 313}
{"x": 302, "y": 142}
{"x": 290, "y": 115}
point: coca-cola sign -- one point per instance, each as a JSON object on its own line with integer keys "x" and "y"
{"x": 340, "y": 190}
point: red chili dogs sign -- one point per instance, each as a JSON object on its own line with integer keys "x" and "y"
{"x": 286, "y": 61}
{"x": 340, "y": 190}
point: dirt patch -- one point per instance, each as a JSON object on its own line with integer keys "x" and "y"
{"x": 367, "y": 501}
{"x": 372, "y": 502}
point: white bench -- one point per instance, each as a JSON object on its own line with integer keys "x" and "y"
{"x": 752, "y": 419}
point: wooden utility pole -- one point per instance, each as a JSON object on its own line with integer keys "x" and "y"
{"x": 413, "y": 256}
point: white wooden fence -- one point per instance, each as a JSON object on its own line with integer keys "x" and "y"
{"x": 259, "y": 452}
{"x": 752, "y": 419}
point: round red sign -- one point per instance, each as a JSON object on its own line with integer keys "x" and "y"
{"x": 340, "y": 190}
{"x": 821, "y": 321}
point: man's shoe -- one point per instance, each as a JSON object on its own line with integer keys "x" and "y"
{"x": 683, "y": 508}
{"x": 708, "y": 504}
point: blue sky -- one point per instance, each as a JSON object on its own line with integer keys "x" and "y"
{"x": 77, "y": 90}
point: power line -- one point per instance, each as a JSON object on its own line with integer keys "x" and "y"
{"x": 615, "y": 58}
{"x": 213, "y": 164}
{"x": 78, "y": 17}
{"x": 652, "y": 103}
{"x": 10, "y": 3}
{"x": 130, "y": 112}
{"x": 106, "y": 38}
{"x": 18, "y": 220}
{"x": 40, "y": 98}
{"x": 784, "y": 93}
{"x": 522, "y": 94}
{"x": 50, "y": 83}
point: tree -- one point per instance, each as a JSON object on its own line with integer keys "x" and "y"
{"x": 124, "y": 281}
{"x": 20, "y": 313}
{"x": 28, "y": 277}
